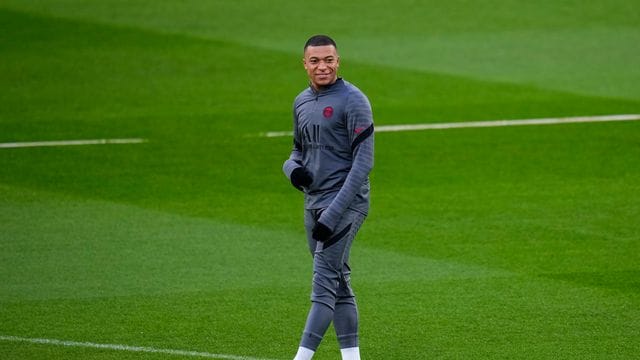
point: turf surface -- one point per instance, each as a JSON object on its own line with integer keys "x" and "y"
{"x": 518, "y": 242}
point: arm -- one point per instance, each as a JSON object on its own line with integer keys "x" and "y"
{"x": 360, "y": 127}
{"x": 292, "y": 167}
{"x": 299, "y": 176}
{"x": 295, "y": 159}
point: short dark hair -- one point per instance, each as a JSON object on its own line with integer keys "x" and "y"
{"x": 320, "y": 40}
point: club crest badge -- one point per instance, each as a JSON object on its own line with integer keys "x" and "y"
{"x": 327, "y": 112}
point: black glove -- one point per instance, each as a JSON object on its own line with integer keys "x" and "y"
{"x": 300, "y": 177}
{"x": 321, "y": 232}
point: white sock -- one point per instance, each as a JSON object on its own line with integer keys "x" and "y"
{"x": 350, "y": 353}
{"x": 304, "y": 354}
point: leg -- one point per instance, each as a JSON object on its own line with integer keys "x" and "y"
{"x": 331, "y": 291}
{"x": 345, "y": 318}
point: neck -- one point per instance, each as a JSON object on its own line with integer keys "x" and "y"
{"x": 319, "y": 88}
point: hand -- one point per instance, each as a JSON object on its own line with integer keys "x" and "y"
{"x": 300, "y": 178}
{"x": 321, "y": 232}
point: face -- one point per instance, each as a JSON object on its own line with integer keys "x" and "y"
{"x": 321, "y": 63}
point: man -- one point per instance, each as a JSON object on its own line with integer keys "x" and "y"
{"x": 330, "y": 162}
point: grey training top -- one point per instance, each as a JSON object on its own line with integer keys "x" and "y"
{"x": 333, "y": 140}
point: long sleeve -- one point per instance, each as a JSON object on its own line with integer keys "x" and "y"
{"x": 360, "y": 125}
{"x": 295, "y": 159}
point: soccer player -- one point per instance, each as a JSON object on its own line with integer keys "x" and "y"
{"x": 330, "y": 162}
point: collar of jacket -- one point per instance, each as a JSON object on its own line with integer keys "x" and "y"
{"x": 329, "y": 88}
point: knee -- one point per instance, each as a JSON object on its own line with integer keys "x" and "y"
{"x": 325, "y": 289}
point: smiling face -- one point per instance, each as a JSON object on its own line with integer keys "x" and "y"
{"x": 321, "y": 63}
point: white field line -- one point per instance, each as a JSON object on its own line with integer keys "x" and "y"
{"x": 117, "y": 347}
{"x": 492, "y": 123}
{"x": 70, "y": 143}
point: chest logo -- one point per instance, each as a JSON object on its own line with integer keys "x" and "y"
{"x": 327, "y": 112}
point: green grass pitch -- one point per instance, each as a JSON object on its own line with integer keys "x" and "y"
{"x": 495, "y": 243}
